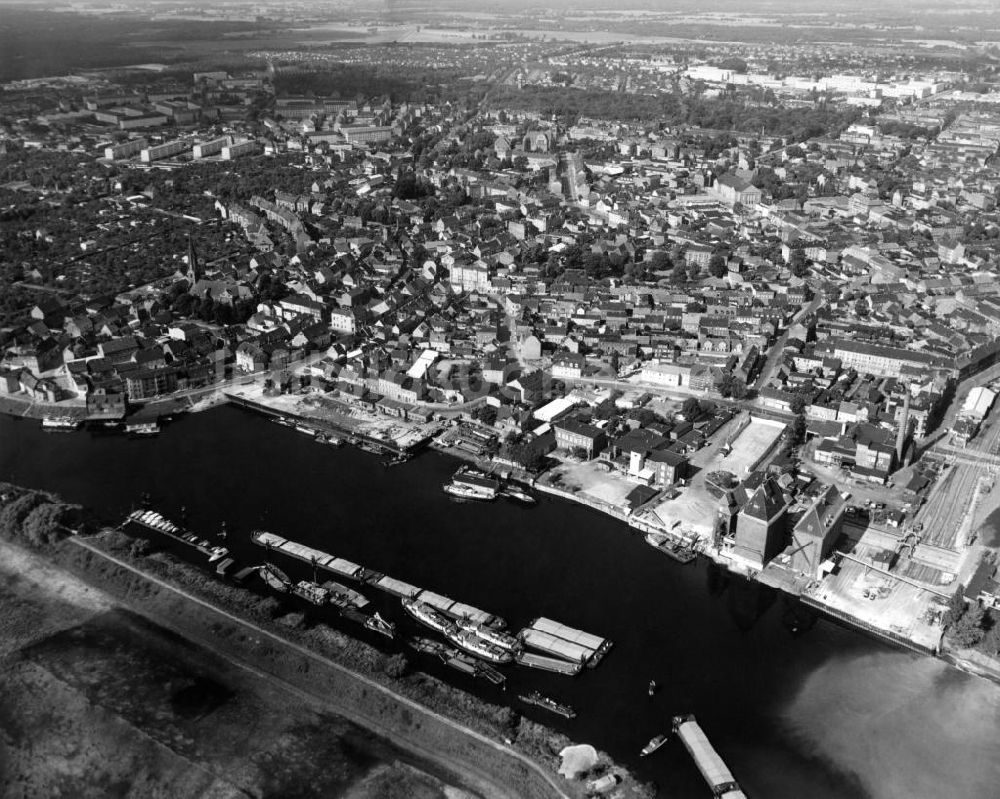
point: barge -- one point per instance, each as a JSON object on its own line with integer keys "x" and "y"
{"x": 555, "y": 665}
{"x": 712, "y": 767}
{"x": 673, "y": 549}
{"x": 594, "y": 645}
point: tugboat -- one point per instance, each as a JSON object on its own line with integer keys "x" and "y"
{"x": 654, "y": 744}
{"x": 535, "y": 698}
{"x": 380, "y": 625}
{"x": 396, "y": 460}
{"x": 275, "y": 578}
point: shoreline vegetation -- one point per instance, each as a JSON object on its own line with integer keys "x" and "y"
{"x": 491, "y": 745}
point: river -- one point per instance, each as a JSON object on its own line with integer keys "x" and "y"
{"x": 822, "y": 712}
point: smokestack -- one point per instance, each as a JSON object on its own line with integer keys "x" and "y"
{"x": 904, "y": 423}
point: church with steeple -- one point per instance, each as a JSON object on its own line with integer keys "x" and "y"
{"x": 192, "y": 264}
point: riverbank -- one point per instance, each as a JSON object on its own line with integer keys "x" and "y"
{"x": 95, "y": 697}
{"x": 497, "y": 752}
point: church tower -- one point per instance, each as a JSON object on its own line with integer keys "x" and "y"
{"x": 192, "y": 270}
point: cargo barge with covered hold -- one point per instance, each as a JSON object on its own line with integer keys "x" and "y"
{"x": 562, "y": 641}
{"x": 712, "y": 767}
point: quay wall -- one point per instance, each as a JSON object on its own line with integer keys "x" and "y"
{"x": 319, "y": 425}
{"x": 493, "y": 769}
{"x": 871, "y": 629}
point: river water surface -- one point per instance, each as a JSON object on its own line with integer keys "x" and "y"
{"x": 824, "y": 712}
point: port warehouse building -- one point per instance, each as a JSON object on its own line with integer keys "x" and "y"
{"x": 888, "y": 361}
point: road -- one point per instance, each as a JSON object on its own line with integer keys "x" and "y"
{"x": 778, "y": 349}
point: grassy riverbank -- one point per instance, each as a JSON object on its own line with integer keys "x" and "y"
{"x": 498, "y": 752}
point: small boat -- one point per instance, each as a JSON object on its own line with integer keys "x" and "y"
{"x": 652, "y": 687}
{"x": 654, "y": 744}
{"x": 217, "y": 554}
{"x": 513, "y": 492}
{"x": 396, "y": 460}
{"x": 275, "y": 578}
{"x": 377, "y": 624}
{"x": 535, "y": 698}
{"x": 487, "y": 672}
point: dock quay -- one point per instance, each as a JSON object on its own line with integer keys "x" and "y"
{"x": 314, "y": 426}
{"x": 712, "y": 767}
{"x": 556, "y": 665}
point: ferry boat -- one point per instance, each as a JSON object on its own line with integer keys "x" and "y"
{"x": 275, "y": 578}
{"x": 311, "y": 592}
{"x": 535, "y": 698}
{"x": 60, "y": 424}
{"x": 217, "y": 553}
{"x": 495, "y": 637}
{"x": 513, "y": 492}
{"x": 479, "y": 647}
{"x": 654, "y": 743}
{"x": 377, "y": 624}
{"x": 427, "y": 616}
{"x": 470, "y": 483}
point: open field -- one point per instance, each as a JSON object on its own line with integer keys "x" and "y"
{"x": 98, "y": 702}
